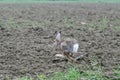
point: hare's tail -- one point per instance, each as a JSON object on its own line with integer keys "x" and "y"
{"x": 75, "y": 48}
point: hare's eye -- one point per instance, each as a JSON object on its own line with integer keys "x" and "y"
{"x": 54, "y": 41}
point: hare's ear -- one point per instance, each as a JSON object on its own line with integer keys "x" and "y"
{"x": 57, "y": 35}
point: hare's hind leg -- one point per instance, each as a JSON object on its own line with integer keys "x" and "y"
{"x": 69, "y": 56}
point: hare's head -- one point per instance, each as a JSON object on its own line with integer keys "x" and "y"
{"x": 57, "y": 40}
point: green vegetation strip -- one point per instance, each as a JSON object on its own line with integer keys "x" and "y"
{"x": 76, "y": 74}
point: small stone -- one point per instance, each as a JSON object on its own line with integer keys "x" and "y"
{"x": 60, "y": 55}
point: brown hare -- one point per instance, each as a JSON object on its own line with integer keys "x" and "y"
{"x": 67, "y": 46}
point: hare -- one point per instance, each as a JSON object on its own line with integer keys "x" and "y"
{"x": 67, "y": 46}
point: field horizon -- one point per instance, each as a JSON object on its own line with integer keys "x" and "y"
{"x": 59, "y": 1}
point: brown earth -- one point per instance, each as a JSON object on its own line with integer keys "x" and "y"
{"x": 26, "y": 37}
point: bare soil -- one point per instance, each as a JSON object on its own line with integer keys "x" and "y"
{"x": 26, "y": 37}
